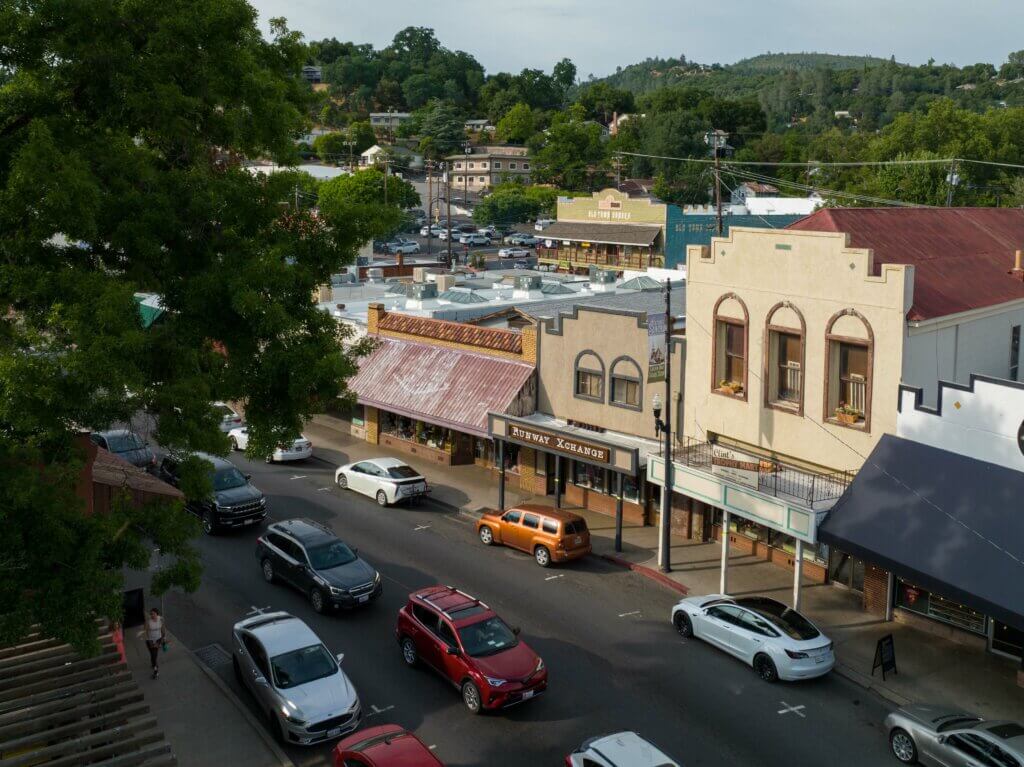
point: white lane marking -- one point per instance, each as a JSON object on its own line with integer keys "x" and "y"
{"x": 257, "y": 610}
{"x": 794, "y": 709}
{"x": 552, "y": 577}
{"x": 421, "y": 527}
{"x": 374, "y": 710}
{"x": 299, "y": 476}
{"x": 623, "y": 615}
{"x": 323, "y": 489}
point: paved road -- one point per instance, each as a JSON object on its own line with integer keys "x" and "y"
{"x": 614, "y": 660}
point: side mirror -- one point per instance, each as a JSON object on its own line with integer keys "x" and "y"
{"x": 516, "y": 630}
{"x": 259, "y": 679}
{"x": 340, "y": 656}
{"x": 248, "y": 476}
{"x": 453, "y": 650}
{"x": 941, "y": 739}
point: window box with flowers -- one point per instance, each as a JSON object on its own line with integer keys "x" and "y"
{"x": 732, "y": 388}
{"x": 848, "y": 416}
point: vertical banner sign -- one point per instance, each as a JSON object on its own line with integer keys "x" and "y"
{"x": 657, "y": 351}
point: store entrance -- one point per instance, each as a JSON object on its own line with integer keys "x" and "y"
{"x": 549, "y": 471}
{"x": 846, "y": 570}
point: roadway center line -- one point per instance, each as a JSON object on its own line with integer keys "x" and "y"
{"x": 323, "y": 489}
{"x": 623, "y": 615}
{"x": 794, "y": 709}
{"x": 299, "y": 476}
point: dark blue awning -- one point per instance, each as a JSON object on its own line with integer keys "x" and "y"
{"x": 951, "y": 524}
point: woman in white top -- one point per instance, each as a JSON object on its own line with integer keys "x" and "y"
{"x": 154, "y": 638}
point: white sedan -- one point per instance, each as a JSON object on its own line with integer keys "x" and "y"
{"x": 623, "y": 749}
{"x": 514, "y": 253}
{"x": 777, "y": 641}
{"x": 299, "y": 450}
{"x": 388, "y": 480}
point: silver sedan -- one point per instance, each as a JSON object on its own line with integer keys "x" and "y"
{"x": 946, "y": 737}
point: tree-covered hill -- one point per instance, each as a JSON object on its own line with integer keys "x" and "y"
{"x": 798, "y": 62}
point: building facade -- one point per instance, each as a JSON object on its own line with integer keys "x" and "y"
{"x": 483, "y": 167}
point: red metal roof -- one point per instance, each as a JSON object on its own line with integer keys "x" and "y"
{"x": 961, "y": 256}
{"x": 446, "y": 387}
{"x": 498, "y": 339}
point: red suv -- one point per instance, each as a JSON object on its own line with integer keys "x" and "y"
{"x": 385, "y": 746}
{"x": 467, "y": 643}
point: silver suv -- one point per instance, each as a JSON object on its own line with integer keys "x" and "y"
{"x": 297, "y": 682}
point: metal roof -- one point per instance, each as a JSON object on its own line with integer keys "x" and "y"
{"x": 462, "y": 297}
{"x": 442, "y": 330}
{"x": 613, "y": 234}
{"x": 961, "y": 256}
{"x": 643, "y": 282}
{"x": 446, "y": 387}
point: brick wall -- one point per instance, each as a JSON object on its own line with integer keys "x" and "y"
{"x": 530, "y": 344}
{"x": 876, "y": 589}
{"x": 445, "y": 344}
{"x": 527, "y": 469}
{"x": 603, "y": 504}
{"x": 372, "y": 425}
{"x": 373, "y": 315}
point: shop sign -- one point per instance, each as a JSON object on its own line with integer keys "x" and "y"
{"x": 657, "y": 351}
{"x": 735, "y": 466}
{"x": 548, "y": 441}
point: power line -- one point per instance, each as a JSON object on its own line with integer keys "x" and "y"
{"x": 856, "y": 196}
{"x": 805, "y": 164}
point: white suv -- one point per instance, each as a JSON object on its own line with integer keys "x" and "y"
{"x": 623, "y": 749}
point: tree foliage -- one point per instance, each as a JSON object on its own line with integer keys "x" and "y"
{"x": 512, "y": 202}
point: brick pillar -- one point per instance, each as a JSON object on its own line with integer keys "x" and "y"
{"x": 527, "y": 469}
{"x": 529, "y": 334}
{"x": 876, "y": 589}
{"x": 372, "y": 425}
{"x": 374, "y": 312}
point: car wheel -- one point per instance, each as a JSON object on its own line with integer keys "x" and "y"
{"x": 268, "y": 571}
{"x": 765, "y": 668}
{"x": 903, "y": 746}
{"x": 683, "y": 624}
{"x": 471, "y": 697}
{"x": 342, "y": 481}
{"x": 409, "y": 654}
{"x": 382, "y": 498}
{"x": 542, "y": 555}
{"x": 486, "y": 536}
{"x": 209, "y": 526}
{"x": 316, "y": 599}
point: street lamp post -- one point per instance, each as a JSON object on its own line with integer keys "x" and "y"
{"x": 664, "y": 428}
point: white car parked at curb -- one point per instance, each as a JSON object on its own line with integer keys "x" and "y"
{"x": 299, "y": 450}
{"x": 387, "y": 480}
{"x": 776, "y": 640}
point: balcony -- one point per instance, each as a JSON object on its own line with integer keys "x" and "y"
{"x": 774, "y": 478}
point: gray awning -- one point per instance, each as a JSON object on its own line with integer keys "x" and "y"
{"x": 606, "y": 234}
{"x": 949, "y": 523}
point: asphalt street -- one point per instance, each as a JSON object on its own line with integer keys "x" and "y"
{"x": 614, "y": 660}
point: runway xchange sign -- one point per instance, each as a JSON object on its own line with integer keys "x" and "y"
{"x": 559, "y": 444}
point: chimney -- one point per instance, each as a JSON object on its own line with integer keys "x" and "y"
{"x": 374, "y": 314}
{"x": 1018, "y": 270}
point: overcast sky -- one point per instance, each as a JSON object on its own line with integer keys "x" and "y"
{"x": 598, "y": 35}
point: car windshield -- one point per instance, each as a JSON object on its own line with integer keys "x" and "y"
{"x": 302, "y": 666}
{"x": 788, "y": 621}
{"x": 487, "y": 637}
{"x": 328, "y": 555}
{"x": 402, "y": 472}
{"x": 122, "y": 443}
{"x": 225, "y": 479}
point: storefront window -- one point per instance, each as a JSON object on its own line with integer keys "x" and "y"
{"x": 924, "y": 602}
{"x": 511, "y": 457}
{"x": 358, "y": 415}
{"x": 813, "y": 552}
{"x": 630, "y": 489}
{"x": 749, "y": 529}
{"x": 585, "y": 475}
{"x": 1007, "y": 640}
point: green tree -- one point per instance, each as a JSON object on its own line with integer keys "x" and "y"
{"x": 514, "y": 203}
{"x": 119, "y": 125}
{"x": 362, "y": 190}
{"x": 442, "y": 129}
{"x": 362, "y": 136}
{"x": 571, "y": 154}
{"x": 518, "y": 125}
{"x": 331, "y": 147}
{"x": 564, "y": 76}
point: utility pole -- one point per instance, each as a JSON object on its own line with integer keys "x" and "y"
{"x": 430, "y": 203}
{"x": 952, "y": 180}
{"x": 448, "y": 203}
{"x": 665, "y": 523}
{"x": 296, "y": 198}
{"x": 465, "y": 179}
{"x": 716, "y": 139}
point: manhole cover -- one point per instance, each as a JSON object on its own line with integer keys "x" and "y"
{"x": 213, "y": 655}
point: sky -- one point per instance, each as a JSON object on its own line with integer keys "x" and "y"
{"x": 598, "y": 35}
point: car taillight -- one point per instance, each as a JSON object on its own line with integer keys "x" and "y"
{"x": 796, "y": 655}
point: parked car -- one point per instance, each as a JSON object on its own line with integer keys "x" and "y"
{"x": 310, "y": 557}
{"x": 941, "y": 736}
{"x": 400, "y": 245}
{"x": 297, "y": 682}
{"x": 229, "y": 418}
{"x": 623, "y": 749}
{"x": 433, "y": 231}
{"x": 475, "y": 239}
{"x": 522, "y": 239}
{"x": 550, "y": 535}
{"x": 776, "y": 640}
{"x": 127, "y": 445}
{"x": 235, "y": 501}
{"x": 298, "y": 449}
{"x": 514, "y": 253}
{"x": 388, "y": 745}
{"x": 469, "y": 645}
{"x": 520, "y": 265}
{"x": 465, "y": 228}
{"x": 488, "y": 231}
{"x": 388, "y": 480}
{"x": 542, "y": 223}
{"x": 380, "y": 246}
{"x": 443, "y": 234}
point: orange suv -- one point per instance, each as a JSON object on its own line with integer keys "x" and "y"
{"x": 551, "y": 535}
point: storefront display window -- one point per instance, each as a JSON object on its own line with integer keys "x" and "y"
{"x": 630, "y": 489}
{"x": 749, "y": 529}
{"x": 511, "y": 457}
{"x": 924, "y": 602}
{"x": 585, "y": 475}
{"x": 813, "y": 552}
{"x": 358, "y": 415}
{"x": 1006, "y": 639}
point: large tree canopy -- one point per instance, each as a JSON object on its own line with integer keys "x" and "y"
{"x": 122, "y": 123}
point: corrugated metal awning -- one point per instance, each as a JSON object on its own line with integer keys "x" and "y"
{"x": 605, "y": 234}
{"x": 446, "y": 387}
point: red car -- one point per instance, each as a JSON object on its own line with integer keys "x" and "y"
{"x": 386, "y": 746}
{"x": 469, "y": 645}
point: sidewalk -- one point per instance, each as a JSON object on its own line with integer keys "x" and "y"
{"x": 206, "y": 725}
{"x": 931, "y": 669}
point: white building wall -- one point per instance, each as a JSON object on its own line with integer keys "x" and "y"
{"x": 952, "y": 349}
{"x": 982, "y": 420}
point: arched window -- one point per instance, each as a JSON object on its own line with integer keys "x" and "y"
{"x": 730, "y": 347}
{"x": 627, "y": 383}
{"x": 589, "y": 376}
{"x": 784, "y": 353}
{"x": 849, "y": 359}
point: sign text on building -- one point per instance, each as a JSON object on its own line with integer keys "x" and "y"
{"x": 736, "y": 466}
{"x": 610, "y": 215}
{"x": 566, "y": 445}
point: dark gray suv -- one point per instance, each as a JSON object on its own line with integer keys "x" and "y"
{"x": 236, "y": 502}
{"x": 125, "y": 444}
{"x": 311, "y": 558}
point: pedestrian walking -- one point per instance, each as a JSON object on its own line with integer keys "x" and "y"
{"x": 155, "y": 638}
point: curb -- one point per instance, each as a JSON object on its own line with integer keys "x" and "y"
{"x": 868, "y": 683}
{"x": 268, "y": 740}
{"x": 647, "y": 572}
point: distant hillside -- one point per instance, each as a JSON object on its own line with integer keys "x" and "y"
{"x": 798, "y": 62}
